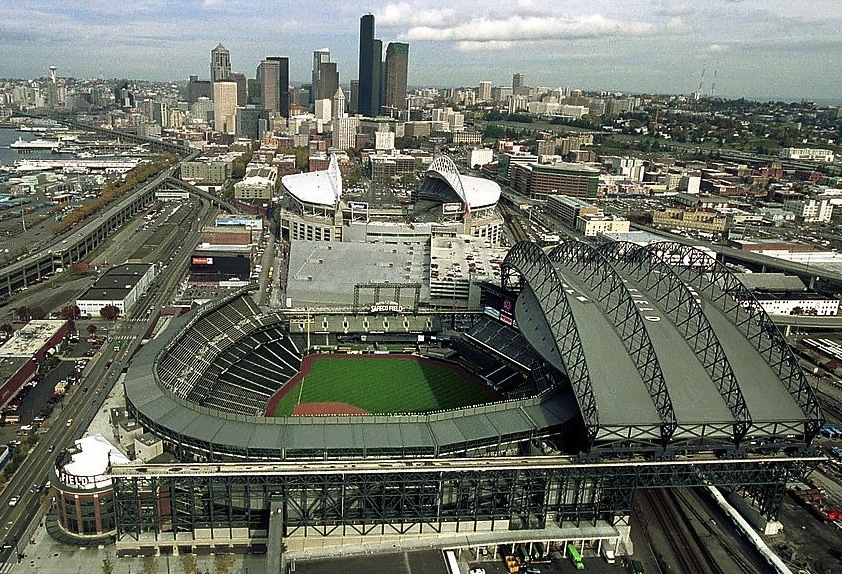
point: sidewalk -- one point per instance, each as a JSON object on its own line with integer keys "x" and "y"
{"x": 46, "y": 556}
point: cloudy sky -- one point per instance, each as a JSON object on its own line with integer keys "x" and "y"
{"x": 761, "y": 49}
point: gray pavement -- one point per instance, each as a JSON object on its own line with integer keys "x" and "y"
{"x": 46, "y": 556}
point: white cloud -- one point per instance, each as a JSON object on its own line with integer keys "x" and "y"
{"x": 398, "y": 14}
{"x": 491, "y": 45}
{"x": 520, "y": 29}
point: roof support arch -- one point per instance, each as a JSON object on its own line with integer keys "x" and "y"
{"x": 745, "y": 312}
{"x": 539, "y": 275}
{"x": 685, "y": 311}
{"x": 612, "y": 295}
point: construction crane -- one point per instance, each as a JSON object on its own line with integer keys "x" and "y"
{"x": 713, "y": 83}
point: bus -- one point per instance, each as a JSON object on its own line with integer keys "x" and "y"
{"x": 575, "y": 557}
{"x": 452, "y": 564}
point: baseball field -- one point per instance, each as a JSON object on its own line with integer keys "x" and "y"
{"x": 369, "y": 384}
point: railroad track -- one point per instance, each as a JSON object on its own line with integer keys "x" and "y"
{"x": 688, "y": 532}
{"x": 688, "y": 555}
{"x": 830, "y": 406}
{"x": 726, "y": 543}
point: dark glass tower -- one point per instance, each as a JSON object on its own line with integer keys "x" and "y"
{"x": 369, "y": 72}
{"x": 397, "y": 63}
{"x": 273, "y": 76}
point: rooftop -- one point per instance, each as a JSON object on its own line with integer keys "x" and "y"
{"x": 30, "y": 338}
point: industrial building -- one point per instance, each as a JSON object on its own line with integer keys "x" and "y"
{"x": 120, "y": 286}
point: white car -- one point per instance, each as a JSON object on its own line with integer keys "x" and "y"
{"x": 477, "y": 571}
{"x": 14, "y": 500}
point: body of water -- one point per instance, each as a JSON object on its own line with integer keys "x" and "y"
{"x": 8, "y": 155}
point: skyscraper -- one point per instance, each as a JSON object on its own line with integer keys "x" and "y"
{"x": 268, "y": 76}
{"x": 273, "y": 75}
{"x": 517, "y": 81}
{"x": 242, "y": 87}
{"x": 220, "y": 67}
{"x": 319, "y": 58}
{"x": 225, "y": 106}
{"x": 283, "y": 83}
{"x": 484, "y": 91}
{"x": 328, "y": 81}
{"x": 369, "y": 68}
{"x": 397, "y": 63}
{"x": 354, "y": 97}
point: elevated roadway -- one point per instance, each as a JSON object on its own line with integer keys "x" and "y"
{"x": 77, "y": 243}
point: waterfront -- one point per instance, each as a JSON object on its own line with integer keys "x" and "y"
{"x": 8, "y": 156}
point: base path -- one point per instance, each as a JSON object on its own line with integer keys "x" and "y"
{"x": 323, "y": 409}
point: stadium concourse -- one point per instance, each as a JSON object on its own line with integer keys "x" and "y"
{"x": 620, "y": 367}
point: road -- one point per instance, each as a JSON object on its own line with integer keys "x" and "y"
{"x": 74, "y": 415}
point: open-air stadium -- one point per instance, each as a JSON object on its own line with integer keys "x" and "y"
{"x": 617, "y": 368}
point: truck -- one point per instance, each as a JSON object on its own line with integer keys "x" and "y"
{"x": 608, "y": 554}
{"x": 575, "y": 557}
{"x": 637, "y": 567}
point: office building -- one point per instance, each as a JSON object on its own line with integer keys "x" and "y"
{"x": 354, "y": 97}
{"x": 225, "y": 106}
{"x": 197, "y": 88}
{"x": 538, "y": 180}
{"x": 328, "y": 81}
{"x": 242, "y": 87}
{"x": 501, "y": 93}
{"x": 252, "y": 122}
{"x": 397, "y": 64}
{"x": 319, "y": 57}
{"x": 369, "y": 69}
{"x": 220, "y": 67}
{"x": 273, "y": 75}
{"x": 344, "y": 131}
{"x": 484, "y": 91}
{"x": 337, "y": 108}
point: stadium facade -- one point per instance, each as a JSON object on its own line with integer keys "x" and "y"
{"x": 622, "y": 367}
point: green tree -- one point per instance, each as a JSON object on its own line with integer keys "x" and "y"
{"x": 107, "y": 566}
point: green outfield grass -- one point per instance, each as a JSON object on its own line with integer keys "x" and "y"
{"x": 382, "y": 385}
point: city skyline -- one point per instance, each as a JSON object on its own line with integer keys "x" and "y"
{"x": 756, "y": 49}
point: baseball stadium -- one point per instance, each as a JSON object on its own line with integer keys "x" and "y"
{"x": 592, "y": 372}
{"x": 582, "y": 375}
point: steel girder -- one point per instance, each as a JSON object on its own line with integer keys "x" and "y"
{"x": 612, "y": 295}
{"x": 532, "y": 265}
{"x": 394, "y": 288}
{"x": 683, "y": 308}
{"x": 406, "y": 502}
{"x": 742, "y": 308}
{"x": 446, "y": 167}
